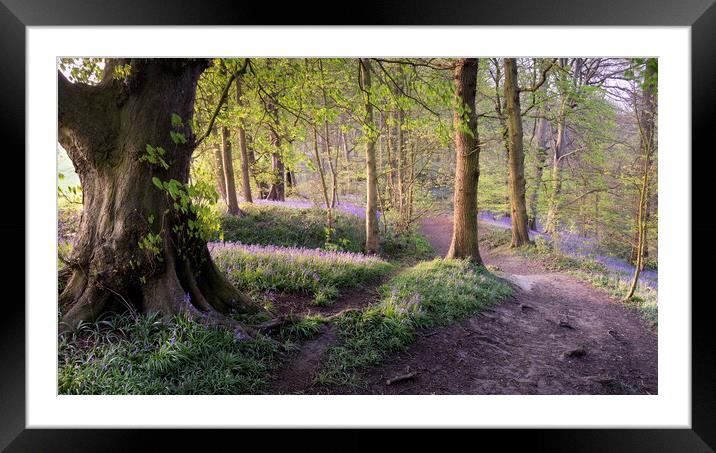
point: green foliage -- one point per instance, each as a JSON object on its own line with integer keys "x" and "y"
{"x": 155, "y": 156}
{"x": 121, "y": 355}
{"x": 293, "y": 227}
{"x": 122, "y": 72}
{"x": 82, "y": 70}
{"x": 437, "y": 292}
{"x": 152, "y": 242}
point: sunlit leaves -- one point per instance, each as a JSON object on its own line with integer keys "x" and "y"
{"x": 82, "y": 70}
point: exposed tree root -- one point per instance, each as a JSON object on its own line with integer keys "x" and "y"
{"x": 205, "y": 296}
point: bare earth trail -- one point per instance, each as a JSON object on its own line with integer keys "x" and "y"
{"x": 557, "y": 335}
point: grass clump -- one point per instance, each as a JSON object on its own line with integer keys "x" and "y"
{"x": 122, "y": 355}
{"x": 495, "y": 237}
{"x": 299, "y": 329}
{"x": 406, "y": 246}
{"x": 293, "y": 227}
{"x": 437, "y": 292}
{"x": 319, "y": 273}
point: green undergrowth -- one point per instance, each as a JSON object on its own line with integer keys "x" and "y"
{"x": 319, "y": 273}
{"x": 410, "y": 246}
{"x": 431, "y": 293}
{"x": 122, "y": 355}
{"x": 293, "y": 227}
{"x": 495, "y": 237}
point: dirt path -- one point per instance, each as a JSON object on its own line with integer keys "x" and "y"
{"x": 295, "y": 376}
{"x": 558, "y": 335}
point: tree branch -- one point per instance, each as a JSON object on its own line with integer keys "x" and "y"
{"x": 222, "y": 100}
{"x": 543, "y": 78}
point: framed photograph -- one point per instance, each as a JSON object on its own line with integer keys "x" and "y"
{"x": 445, "y": 216}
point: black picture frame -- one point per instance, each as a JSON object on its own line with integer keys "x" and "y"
{"x": 16, "y": 15}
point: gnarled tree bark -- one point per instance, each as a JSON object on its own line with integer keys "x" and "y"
{"x": 106, "y": 129}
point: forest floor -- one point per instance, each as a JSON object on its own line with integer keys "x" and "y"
{"x": 556, "y": 335}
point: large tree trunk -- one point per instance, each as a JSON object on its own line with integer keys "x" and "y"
{"x": 516, "y": 156}
{"x": 371, "y": 217}
{"x": 245, "y": 181}
{"x": 105, "y": 130}
{"x": 227, "y": 158}
{"x": 467, "y": 167}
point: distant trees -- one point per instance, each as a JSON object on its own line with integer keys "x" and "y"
{"x": 298, "y": 122}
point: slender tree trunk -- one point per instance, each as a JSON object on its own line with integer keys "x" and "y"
{"x": 349, "y": 189}
{"x": 324, "y": 187}
{"x": 245, "y": 181}
{"x": 411, "y": 184}
{"x": 500, "y": 108}
{"x": 464, "y": 242}
{"x": 540, "y": 163}
{"x": 233, "y": 203}
{"x": 260, "y": 185}
{"x": 289, "y": 180}
{"x": 556, "y": 175}
{"x": 327, "y": 141}
{"x": 220, "y": 177}
{"x": 105, "y": 130}
{"x": 277, "y": 191}
{"x": 646, "y": 123}
{"x": 400, "y": 150}
{"x": 371, "y": 214}
{"x": 391, "y": 172}
{"x": 516, "y": 162}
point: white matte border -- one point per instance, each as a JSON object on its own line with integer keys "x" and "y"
{"x": 670, "y": 408}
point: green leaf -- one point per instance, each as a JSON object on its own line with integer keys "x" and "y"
{"x": 177, "y": 121}
{"x": 157, "y": 182}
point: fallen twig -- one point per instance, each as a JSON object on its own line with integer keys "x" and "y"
{"x": 401, "y": 378}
